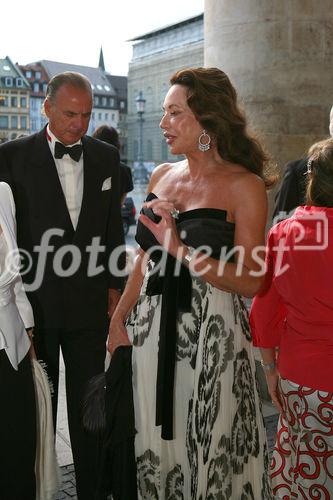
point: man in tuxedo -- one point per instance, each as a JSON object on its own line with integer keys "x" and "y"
{"x": 66, "y": 190}
{"x": 293, "y": 187}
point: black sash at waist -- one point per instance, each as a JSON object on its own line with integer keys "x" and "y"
{"x": 176, "y": 294}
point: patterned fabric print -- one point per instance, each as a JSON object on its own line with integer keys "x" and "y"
{"x": 242, "y": 316}
{"x": 219, "y": 472}
{"x": 140, "y": 320}
{"x": 190, "y": 324}
{"x": 216, "y": 452}
{"x": 247, "y": 492}
{"x": 192, "y": 450}
{"x": 148, "y": 475}
{"x": 302, "y": 462}
{"x": 175, "y": 484}
{"x": 218, "y": 349}
{"x": 266, "y": 492}
{"x": 245, "y": 433}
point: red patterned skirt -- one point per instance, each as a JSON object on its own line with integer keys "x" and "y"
{"x": 302, "y": 461}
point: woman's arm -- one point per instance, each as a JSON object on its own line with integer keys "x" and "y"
{"x": 267, "y": 317}
{"x": 268, "y": 310}
{"x": 117, "y": 331}
{"x": 268, "y": 356}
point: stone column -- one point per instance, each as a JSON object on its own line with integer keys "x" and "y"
{"x": 279, "y": 56}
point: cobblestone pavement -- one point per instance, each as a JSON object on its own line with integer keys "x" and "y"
{"x": 68, "y": 490}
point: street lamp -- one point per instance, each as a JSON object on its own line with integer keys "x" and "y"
{"x": 140, "y": 109}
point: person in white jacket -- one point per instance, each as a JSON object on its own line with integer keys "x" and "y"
{"x": 17, "y": 393}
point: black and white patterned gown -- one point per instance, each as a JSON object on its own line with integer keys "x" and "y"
{"x": 218, "y": 445}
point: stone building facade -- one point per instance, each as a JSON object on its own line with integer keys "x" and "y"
{"x": 279, "y": 55}
{"x": 119, "y": 84}
{"x": 156, "y": 56}
{"x": 14, "y": 101}
{"x": 109, "y": 93}
{"x": 38, "y": 79}
{"x": 105, "y": 111}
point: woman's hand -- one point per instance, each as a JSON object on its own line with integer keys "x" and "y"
{"x": 117, "y": 333}
{"x": 165, "y": 230}
{"x": 272, "y": 379}
{"x": 32, "y": 352}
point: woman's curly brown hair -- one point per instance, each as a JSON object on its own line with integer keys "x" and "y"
{"x": 213, "y": 100}
{"x": 320, "y": 174}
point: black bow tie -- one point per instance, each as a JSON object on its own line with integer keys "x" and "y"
{"x": 74, "y": 151}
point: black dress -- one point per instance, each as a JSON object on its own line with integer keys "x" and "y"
{"x": 200, "y": 431}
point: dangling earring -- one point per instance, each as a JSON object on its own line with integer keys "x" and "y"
{"x": 309, "y": 166}
{"x": 204, "y": 146}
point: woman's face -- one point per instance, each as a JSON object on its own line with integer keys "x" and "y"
{"x": 181, "y": 128}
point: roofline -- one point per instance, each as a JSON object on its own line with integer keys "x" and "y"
{"x": 41, "y": 61}
{"x": 166, "y": 28}
{"x": 16, "y": 68}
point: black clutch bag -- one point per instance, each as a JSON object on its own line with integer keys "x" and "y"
{"x": 108, "y": 397}
{"x": 108, "y": 411}
{"x": 93, "y": 405}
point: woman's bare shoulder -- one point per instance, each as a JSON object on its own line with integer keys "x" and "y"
{"x": 242, "y": 179}
{"x": 247, "y": 191}
{"x": 161, "y": 171}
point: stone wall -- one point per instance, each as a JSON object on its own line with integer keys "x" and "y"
{"x": 279, "y": 55}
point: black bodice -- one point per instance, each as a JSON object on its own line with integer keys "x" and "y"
{"x": 197, "y": 227}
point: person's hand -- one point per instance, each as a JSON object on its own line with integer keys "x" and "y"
{"x": 272, "y": 379}
{"x": 117, "y": 334}
{"x": 114, "y": 296}
{"x": 165, "y": 230}
{"x": 32, "y": 352}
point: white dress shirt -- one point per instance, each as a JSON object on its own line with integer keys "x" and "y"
{"x": 70, "y": 174}
{"x": 15, "y": 310}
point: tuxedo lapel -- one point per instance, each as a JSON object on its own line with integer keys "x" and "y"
{"x": 47, "y": 186}
{"x": 95, "y": 203}
{"x": 89, "y": 188}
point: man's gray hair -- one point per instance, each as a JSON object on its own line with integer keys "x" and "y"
{"x": 70, "y": 78}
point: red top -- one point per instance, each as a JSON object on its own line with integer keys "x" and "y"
{"x": 294, "y": 308}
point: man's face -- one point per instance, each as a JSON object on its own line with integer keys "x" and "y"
{"x": 69, "y": 113}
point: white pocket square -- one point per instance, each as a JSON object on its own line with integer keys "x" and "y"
{"x": 106, "y": 184}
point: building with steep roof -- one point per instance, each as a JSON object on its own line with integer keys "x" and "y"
{"x": 105, "y": 111}
{"x": 156, "y": 56}
{"x": 38, "y": 80}
{"x": 119, "y": 83}
{"x": 101, "y": 64}
{"x": 14, "y": 101}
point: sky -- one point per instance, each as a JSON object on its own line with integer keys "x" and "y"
{"x": 73, "y": 31}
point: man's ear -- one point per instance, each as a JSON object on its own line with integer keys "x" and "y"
{"x": 46, "y": 107}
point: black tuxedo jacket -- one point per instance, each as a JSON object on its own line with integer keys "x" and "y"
{"x": 73, "y": 299}
{"x": 292, "y": 190}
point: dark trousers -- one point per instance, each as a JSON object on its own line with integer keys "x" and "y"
{"x": 84, "y": 353}
{"x": 17, "y": 430}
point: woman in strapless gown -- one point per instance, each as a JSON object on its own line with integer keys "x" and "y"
{"x": 200, "y": 432}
